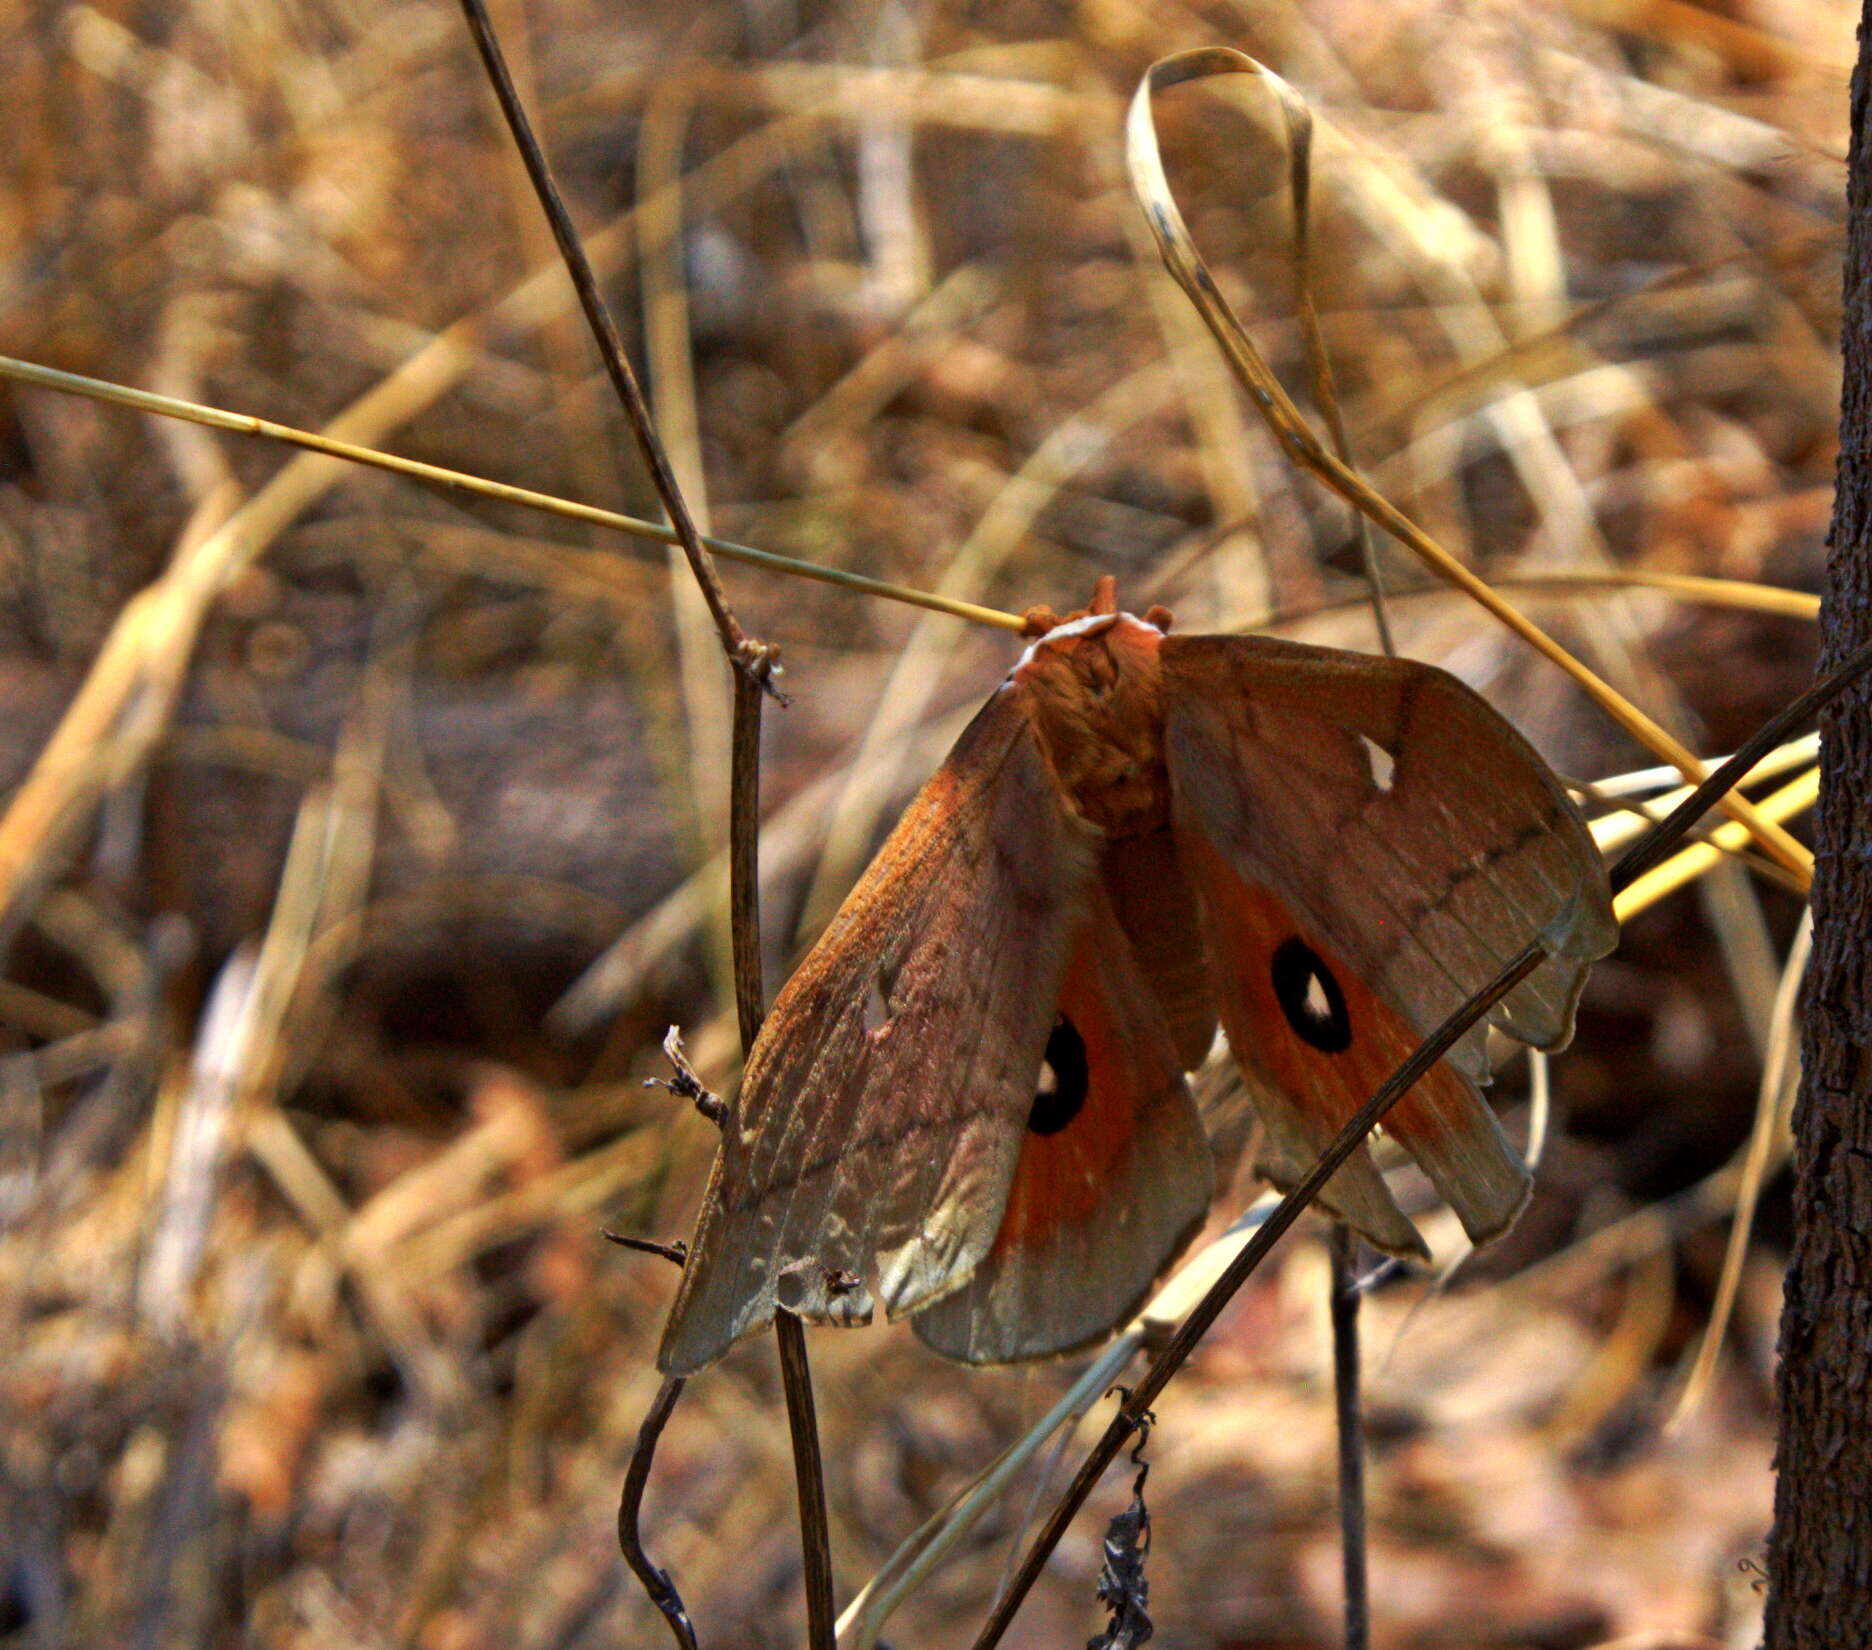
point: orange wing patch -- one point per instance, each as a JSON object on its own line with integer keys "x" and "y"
{"x": 1113, "y": 1179}
{"x": 1084, "y": 1118}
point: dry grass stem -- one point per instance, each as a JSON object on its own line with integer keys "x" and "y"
{"x": 1290, "y": 428}
{"x": 1768, "y": 1141}
{"x": 354, "y": 452}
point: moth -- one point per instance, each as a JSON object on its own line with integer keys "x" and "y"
{"x": 969, "y": 1103}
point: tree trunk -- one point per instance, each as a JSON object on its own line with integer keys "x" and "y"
{"x": 1820, "y": 1552}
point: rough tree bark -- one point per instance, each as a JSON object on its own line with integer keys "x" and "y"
{"x": 1820, "y": 1552}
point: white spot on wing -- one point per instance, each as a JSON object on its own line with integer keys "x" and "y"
{"x": 876, "y": 1006}
{"x": 1317, "y": 1006}
{"x": 1383, "y": 764}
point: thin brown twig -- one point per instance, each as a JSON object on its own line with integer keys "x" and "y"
{"x": 750, "y": 1010}
{"x": 756, "y": 662}
{"x": 656, "y": 1582}
{"x": 1645, "y": 853}
{"x": 750, "y": 1007}
{"x": 756, "y": 659}
{"x": 1344, "y": 1301}
{"x": 744, "y": 860}
{"x": 677, "y": 1254}
{"x": 803, "y": 1427}
{"x": 686, "y": 1085}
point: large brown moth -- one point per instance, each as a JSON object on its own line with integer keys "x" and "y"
{"x": 969, "y": 1102}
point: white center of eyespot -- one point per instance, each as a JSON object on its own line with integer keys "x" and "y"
{"x": 1049, "y": 1079}
{"x": 1316, "y": 1003}
{"x": 1383, "y": 764}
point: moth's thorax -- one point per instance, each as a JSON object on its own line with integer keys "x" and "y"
{"x": 1094, "y": 694}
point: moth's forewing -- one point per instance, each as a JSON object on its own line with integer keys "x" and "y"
{"x": 869, "y": 1154}
{"x": 1370, "y": 843}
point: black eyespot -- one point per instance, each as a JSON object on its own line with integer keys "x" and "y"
{"x": 1064, "y": 1079}
{"x": 1310, "y": 997}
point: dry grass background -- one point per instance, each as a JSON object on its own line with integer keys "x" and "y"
{"x": 307, "y": 1333}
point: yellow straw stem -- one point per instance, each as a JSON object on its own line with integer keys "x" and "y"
{"x": 216, "y": 418}
{"x": 1684, "y": 867}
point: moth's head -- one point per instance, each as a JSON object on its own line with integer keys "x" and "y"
{"x": 1097, "y": 655}
{"x": 1039, "y": 620}
{"x": 1092, "y": 686}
